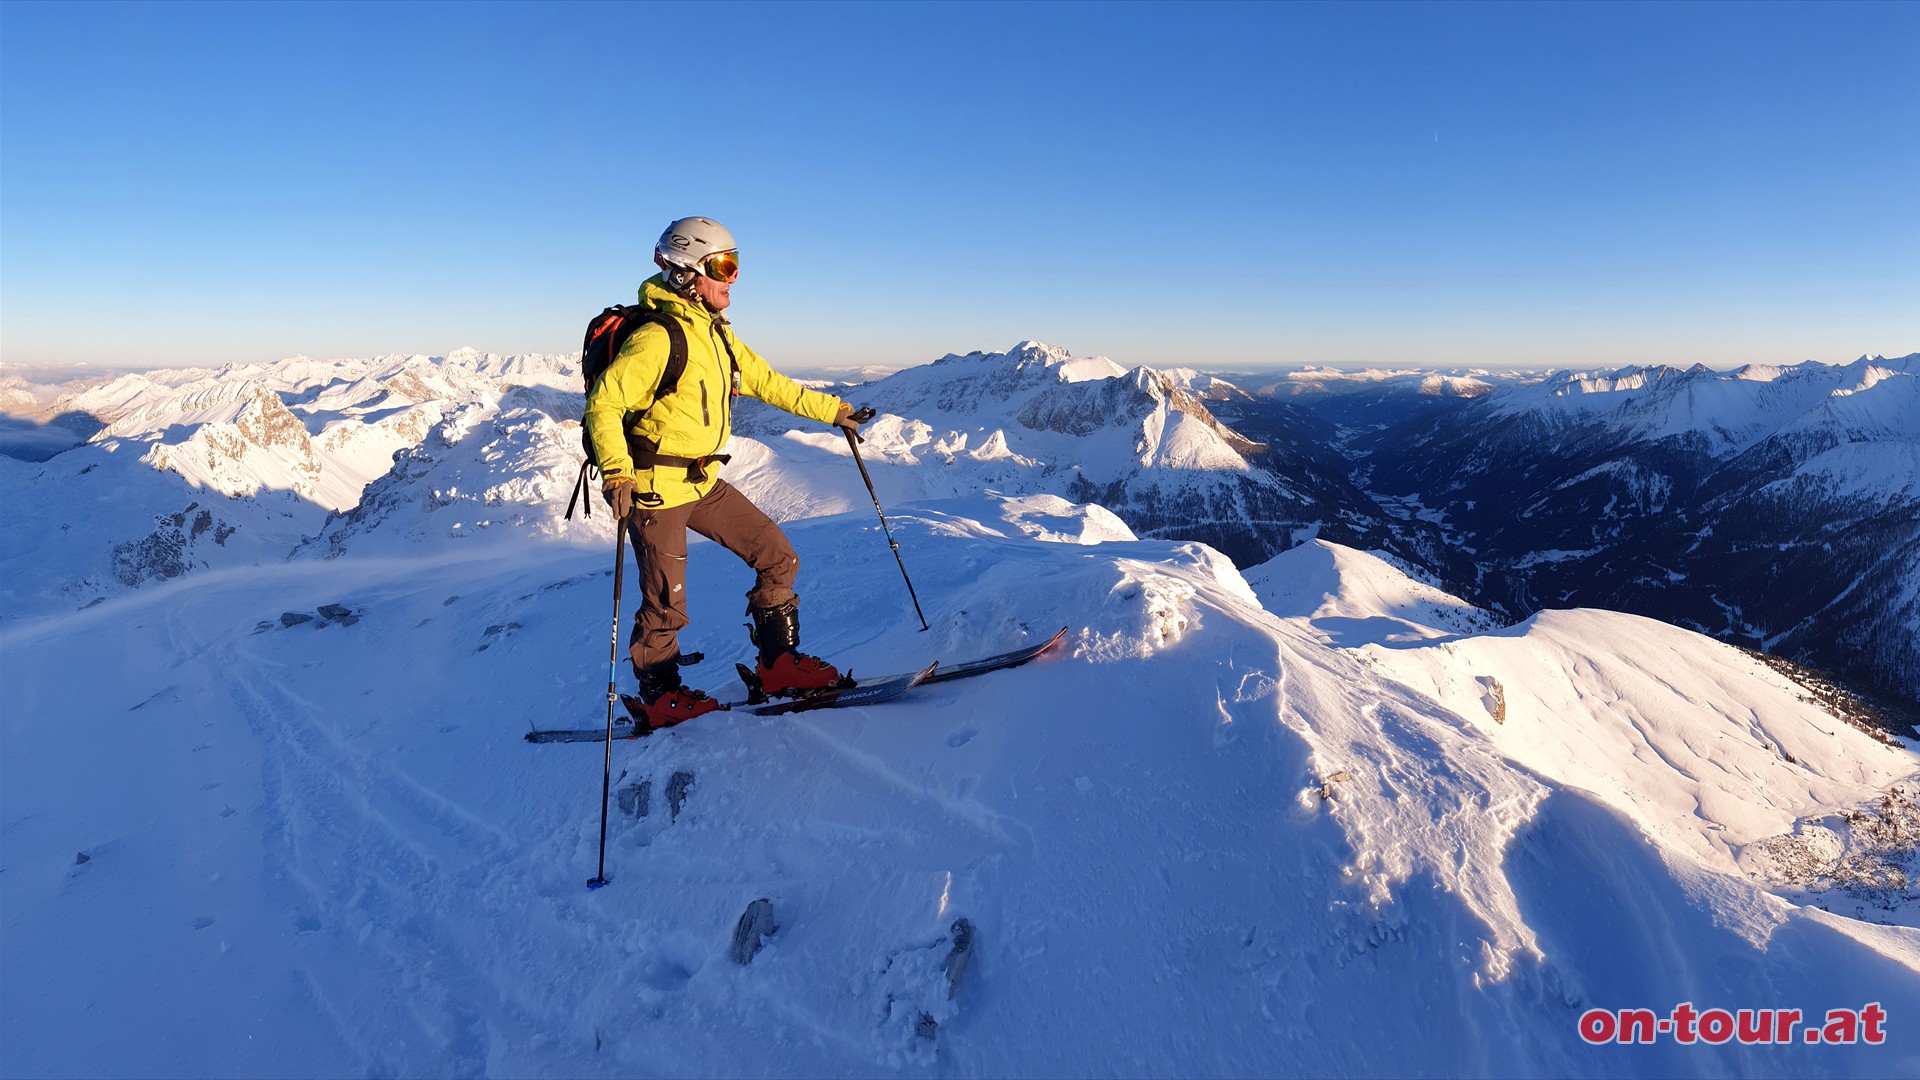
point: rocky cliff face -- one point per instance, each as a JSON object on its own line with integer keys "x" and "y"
{"x": 168, "y": 551}
{"x": 237, "y": 440}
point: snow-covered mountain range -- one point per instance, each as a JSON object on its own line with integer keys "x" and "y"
{"x": 1143, "y": 443}
{"x": 1314, "y": 814}
{"x": 1775, "y": 507}
{"x": 177, "y": 470}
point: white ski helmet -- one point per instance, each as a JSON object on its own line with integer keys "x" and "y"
{"x": 687, "y": 243}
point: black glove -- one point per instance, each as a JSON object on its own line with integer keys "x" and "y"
{"x": 619, "y": 493}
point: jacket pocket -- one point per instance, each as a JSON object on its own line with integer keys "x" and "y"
{"x": 705, "y": 417}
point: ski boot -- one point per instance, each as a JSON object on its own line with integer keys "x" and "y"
{"x": 665, "y": 700}
{"x": 783, "y": 670}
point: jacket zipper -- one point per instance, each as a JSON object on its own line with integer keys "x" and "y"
{"x": 726, "y": 402}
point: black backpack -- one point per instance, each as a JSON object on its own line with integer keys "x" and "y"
{"x": 606, "y": 333}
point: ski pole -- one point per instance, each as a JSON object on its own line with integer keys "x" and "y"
{"x": 613, "y": 669}
{"x": 853, "y": 444}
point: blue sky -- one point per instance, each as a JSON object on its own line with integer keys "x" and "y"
{"x": 1218, "y": 186}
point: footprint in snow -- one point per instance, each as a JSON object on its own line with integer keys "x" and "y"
{"x": 961, "y": 738}
{"x": 636, "y": 801}
{"x": 203, "y": 922}
{"x": 678, "y": 785}
{"x": 916, "y": 989}
{"x": 665, "y": 975}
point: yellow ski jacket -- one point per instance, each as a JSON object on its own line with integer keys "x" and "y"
{"x": 696, "y": 419}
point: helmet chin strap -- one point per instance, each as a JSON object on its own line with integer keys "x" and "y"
{"x": 679, "y": 279}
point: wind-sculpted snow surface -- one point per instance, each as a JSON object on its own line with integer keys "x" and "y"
{"x": 1205, "y": 838}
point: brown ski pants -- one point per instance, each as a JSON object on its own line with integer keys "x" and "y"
{"x": 725, "y": 517}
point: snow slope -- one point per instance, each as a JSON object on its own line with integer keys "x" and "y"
{"x": 1208, "y": 838}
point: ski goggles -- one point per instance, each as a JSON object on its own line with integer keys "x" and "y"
{"x": 722, "y": 266}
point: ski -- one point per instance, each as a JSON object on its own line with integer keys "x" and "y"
{"x": 1001, "y": 662}
{"x": 996, "y": 663}
{"x": 862, "y": 694}
{"x": 622, "y": 729}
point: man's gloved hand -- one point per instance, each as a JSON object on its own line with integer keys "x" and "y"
{"x": 619, "y": 493}
{"x": 851, "y": 420}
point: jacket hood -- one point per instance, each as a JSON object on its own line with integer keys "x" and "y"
{"x": 655, "y": 294}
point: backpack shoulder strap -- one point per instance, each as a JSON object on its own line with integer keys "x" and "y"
{"x": 676, "y": 355}
{"x": 625, "y": 321}
{"x": 676, "y": 347}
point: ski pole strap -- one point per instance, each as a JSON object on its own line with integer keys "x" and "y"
{"x": 580, "y": 485}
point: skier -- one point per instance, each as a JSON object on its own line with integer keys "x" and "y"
{"x": 659, "y": 460}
